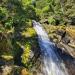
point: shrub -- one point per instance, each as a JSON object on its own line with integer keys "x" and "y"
{"x": 45, "y": 9}
{"x": 38, "y": 12}
{"x": 51, "y": 20}
{"x": 3, "y": 13}
{"x": 8, "y": 24}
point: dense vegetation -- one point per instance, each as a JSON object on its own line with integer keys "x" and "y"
{"x": 17, "y": 36}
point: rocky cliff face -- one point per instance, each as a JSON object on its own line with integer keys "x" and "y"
{"x": 67, "y": 41}
{"x": 63, "y": 36}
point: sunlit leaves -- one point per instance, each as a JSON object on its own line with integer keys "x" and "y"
{"x": 26, "y": 2}
{"x": 3, "y": 13}
{"x": 26, "y": 53}
{"x": 9, "y": 23}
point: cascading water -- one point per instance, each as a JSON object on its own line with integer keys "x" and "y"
{"x": 52, "y": 64}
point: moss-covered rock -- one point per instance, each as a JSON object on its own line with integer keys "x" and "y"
{"x": 63, "y": 36}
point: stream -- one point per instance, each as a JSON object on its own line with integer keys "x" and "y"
{"x": 52, "y": 62}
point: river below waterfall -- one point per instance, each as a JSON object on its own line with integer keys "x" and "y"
{"x": 52, "y": 63}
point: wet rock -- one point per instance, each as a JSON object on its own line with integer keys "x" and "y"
{"x": 2, "y": 62}
{"x": 67, "y": 49}
{"x": 70, "y": 68}
{"x": 66, "y": 40}
{"x": 62, "y": 33}
{"x": 1, "y": 71}
{"x": 72, "y": 21}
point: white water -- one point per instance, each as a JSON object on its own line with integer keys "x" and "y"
{"x": 52, "y": 64}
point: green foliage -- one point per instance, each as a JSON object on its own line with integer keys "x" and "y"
{"x": 51, "y": 20}
{"x": 26, "y": 2}
{"x": 26, "y": 53}
{"x": 9, "y": 23}
{"x": 41, "y": 4}
{"x": 3, "y": 13}
{"x": 63, "y": 11}
{"x": 30, "y": 12}
{"x": 15, "y": 20}
{"x": 45, "y": 9}
{"x": 39, "y": 13}
{"x": 17, "y": 15}
{"x": 5, "y": 19}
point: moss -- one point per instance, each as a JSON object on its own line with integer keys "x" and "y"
{"x": 30, "y": 32}
{"x": 26, "y": 53}
{"x": 7, "y": 57}
{"x": 52, "y": 31}
{"x": 52, "y": 28}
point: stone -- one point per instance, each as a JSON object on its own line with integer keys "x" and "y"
{"x": 66, "y": 40}
{"x": 24, "y": 72}
{"x": 6, "y": 70}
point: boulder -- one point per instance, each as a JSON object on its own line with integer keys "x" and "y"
{"x": 66, "y": 40}
{"x": 62, "y": 33}
{"x": 45, "y": 21}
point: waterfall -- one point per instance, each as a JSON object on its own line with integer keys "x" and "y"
{"x": 52, "y": 63}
